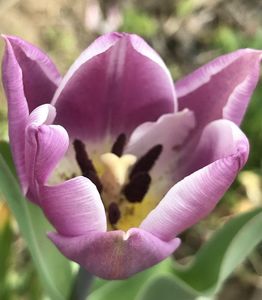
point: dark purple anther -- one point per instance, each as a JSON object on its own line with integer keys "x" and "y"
{"x": 86, "y": 166}
{"x": 118, "y": 147}
{"x": 138, "y": 186}
{"x": 146, "y": 162}
{"x": 113, "y": 213}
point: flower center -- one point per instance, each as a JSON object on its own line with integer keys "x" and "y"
{"x": 123, "y": 182}
{"x": 116, "y": 171}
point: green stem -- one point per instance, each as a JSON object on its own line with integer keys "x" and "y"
{"x": 81, "y": 285}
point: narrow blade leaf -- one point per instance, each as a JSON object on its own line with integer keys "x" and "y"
{"x": 218, "y": 258}
{"x": 54, "y": 270}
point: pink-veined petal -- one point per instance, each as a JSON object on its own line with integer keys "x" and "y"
{"x": 45, "y": 145}
{"x": 116, "y": 84}
{"x": 17, "y": 111}
{"x": 115, "y": 254}
{"x": 220, "y": 138}
{"x": 221, "y": 88}
{"x": 225, "y": 148}
{"x": 170, "y": 131}
{"x": 29, "y": 79}
{"x": 74, "y": 207}
{"x": 40, "y": 77}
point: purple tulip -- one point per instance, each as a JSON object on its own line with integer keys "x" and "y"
{"x": 120, "y": 160}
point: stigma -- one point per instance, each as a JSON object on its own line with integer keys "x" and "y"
{"x": 116, "y": 170}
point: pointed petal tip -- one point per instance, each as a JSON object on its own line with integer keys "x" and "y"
{"x": 117, "y": 34}
{"x": 4, "y": 36}
{"x": 8, "y": 47}
{"x": 237, "y": 72}
{"x": 11, "y": 39}
{"x": 7, "y": 36}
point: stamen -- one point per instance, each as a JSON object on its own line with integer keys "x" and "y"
{"x": 118, "y": 147}
{"x": 113, "y": 213}
{"x": 86, "y": 166}
{"x": 147, "y": 161}
{"x": 138, "y": 186}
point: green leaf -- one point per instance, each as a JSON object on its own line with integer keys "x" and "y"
{"x": 165, "y": 287}
{"x": 6, "y": 236}
{"x": 227, "y": 38}
{"x": 252, "y": 126}
{"x": 129, "y": 288}
{"x": 138, "y": 22}
{"x": 53, "y": 269}
{"x": 7, "y": 155}
{"x": 218, "y": 258}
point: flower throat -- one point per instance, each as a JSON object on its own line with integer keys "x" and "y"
{"x": 125, "y": 181}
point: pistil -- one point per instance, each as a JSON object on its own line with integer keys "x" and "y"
{"x": 123, "y": 182}
{"x": 116, "y": 170}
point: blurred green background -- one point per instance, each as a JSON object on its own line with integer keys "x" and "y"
{"x": 187, "y": 34}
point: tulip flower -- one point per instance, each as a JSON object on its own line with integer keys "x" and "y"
{"x": 120, "y": 159}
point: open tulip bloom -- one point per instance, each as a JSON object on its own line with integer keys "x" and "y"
{"x": 120, "y": 159}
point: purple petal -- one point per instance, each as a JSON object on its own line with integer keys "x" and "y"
{"x": 116, "y": 84}
{"x": 40, "y": 77}
{"x": 74, "y": 207}
{"x": 43, "y": 114}
{"x": 28, "y": 78}
{"x": 45, "y": 145}
{"x": 220, "y": 138}
{"x": 195, "y": 196}
{"x": 170, "y": 131}
{"x": 17, "y": 111}
{"x": 221, "y": 88}
{"x": 115, "y": 254}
